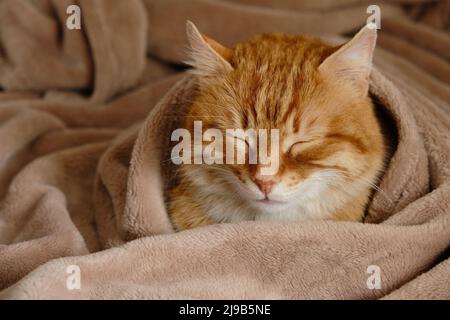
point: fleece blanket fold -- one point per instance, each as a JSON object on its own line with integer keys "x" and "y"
{"x": 85, "y": 123}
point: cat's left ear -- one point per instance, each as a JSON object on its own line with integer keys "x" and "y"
{"x": 353, "y": 61}
{"x": 206, "y": 55}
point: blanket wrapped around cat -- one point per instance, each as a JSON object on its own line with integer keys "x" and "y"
{"x": 82, "y": 179}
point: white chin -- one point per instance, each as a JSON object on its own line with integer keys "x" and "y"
{"x": 269, "y": 205}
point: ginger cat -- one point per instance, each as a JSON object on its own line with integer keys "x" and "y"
{"x": 331, "y": 148}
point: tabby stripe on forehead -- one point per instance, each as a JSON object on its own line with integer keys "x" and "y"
{"x": 287, "y": 98}
{"x": 244, "y": 120}
{"x": 293, "y": 105}
{"x": 255, "y": 84}
{"x": 272, "y": 111}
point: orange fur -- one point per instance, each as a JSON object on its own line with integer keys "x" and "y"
{"x": 331, "y": 147}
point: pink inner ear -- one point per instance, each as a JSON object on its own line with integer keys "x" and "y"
{"x": 224, "y": 52}
{"x": 206, "y": 55}
{"x": 353, "y": 61}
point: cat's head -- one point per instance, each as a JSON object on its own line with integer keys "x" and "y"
{"x": 315, "y": 94}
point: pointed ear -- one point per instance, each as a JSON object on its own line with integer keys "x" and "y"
{"x": 353, "y": 61}
{"x": 206, "y": 55}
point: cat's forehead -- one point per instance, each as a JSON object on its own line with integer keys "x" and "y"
{"x": 273, "y": 89}
{"x": 279, "y": 51}
{"x": 272, "y": 83}
{"x": 276, "y": 73}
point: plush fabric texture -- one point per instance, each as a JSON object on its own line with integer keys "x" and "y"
{"x": 85, "y": 122}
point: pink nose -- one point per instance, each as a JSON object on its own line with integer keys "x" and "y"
{"x": 265, "y": 185}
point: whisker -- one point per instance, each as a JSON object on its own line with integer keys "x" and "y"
{"x": 364, "y": 181}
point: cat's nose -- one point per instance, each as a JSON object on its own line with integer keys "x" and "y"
{"x": 266, "y": 185}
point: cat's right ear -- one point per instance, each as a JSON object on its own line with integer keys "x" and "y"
{"x": 352, "y": 63}
{"x": 206, "y": 56}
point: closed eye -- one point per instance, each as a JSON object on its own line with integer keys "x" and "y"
{"x": 301, "y": 145}
{"x": 303, "y": 141}
{"x": 237, "y": 137}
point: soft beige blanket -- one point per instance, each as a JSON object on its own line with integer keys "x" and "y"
{"x": 84, "y": 122}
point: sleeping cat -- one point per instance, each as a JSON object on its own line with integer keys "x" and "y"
{"x": 330, "y": 144}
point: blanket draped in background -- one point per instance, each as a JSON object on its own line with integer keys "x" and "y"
{"x": 84, "y": 123}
